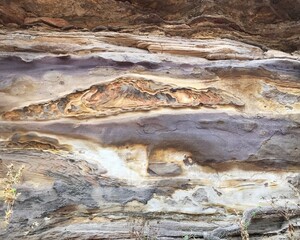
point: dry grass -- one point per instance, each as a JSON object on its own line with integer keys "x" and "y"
{"x": 243, "y": 226}
{"x": 13, "y": 177}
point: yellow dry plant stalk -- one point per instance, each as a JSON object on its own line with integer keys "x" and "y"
{"x": 243, "y": 226}
{"x": 13, "y": 177}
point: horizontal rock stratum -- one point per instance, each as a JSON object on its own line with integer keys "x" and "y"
{"x": 170, "y": 120}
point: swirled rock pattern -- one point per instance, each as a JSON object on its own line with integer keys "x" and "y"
{"x": 167, "y": 121}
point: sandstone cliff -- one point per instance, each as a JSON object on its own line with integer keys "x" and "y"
{"x": 151, "y": 119}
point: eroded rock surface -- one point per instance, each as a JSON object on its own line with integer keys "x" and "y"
{"x": 170, "y": 119}
{"x": 121, "y": 96}
{"x": 271, "y": 23}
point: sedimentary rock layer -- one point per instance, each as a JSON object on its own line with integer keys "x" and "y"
{"x": 267, "y": 23}
{"x": 121, "y": 96}
{"x": 125, "y": 136}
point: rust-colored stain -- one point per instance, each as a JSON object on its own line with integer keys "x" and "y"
{"x": 123, "y": 95}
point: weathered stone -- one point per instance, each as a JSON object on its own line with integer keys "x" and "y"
{"x": 164, "y": 169}
{"x": 11, "y": 14}
{"x": 169, "y": 120}
{"x": 200, "y": 195}
{"x": 99, "y": 29}
{"x": 54, "y": 22}
{"x": 266, "y": 23}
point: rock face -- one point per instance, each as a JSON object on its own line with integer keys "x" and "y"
{"x": 269, "y": 23}
{"x": 160, "y": 120}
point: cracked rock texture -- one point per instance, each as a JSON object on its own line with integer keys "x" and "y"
{"x": 158, "y": 119}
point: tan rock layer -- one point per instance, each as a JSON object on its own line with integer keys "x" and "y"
{"x": 267, "y": 23}
{"x": 223, "y": 136}
{"x": 34, "y": 141}
{"x": 121, "y": 96}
